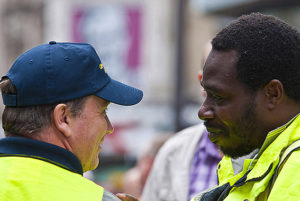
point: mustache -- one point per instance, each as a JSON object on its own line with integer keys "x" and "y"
{"x": 211, "y": 125}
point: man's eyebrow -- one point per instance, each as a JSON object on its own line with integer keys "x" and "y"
{"x": 210, "y": 87}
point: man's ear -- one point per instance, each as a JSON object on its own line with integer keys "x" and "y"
{"x": 61, "y": 118}
{"x": 274, "y": 93}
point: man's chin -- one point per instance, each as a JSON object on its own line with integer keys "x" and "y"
{"x": 236, "y": 152}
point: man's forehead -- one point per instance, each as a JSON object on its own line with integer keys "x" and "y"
{"x": 230, "y": 56}
{"x": 219, "y": 69}
{"x": 222, "y": 61}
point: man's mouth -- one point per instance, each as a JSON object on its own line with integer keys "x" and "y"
{"x": 214, "y": 130}
{"x": 214, "y": 133}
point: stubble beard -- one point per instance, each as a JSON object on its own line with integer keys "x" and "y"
{"x": 245, "y": 130}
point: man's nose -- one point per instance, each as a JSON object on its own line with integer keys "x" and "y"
{"x": 205, "y": 112}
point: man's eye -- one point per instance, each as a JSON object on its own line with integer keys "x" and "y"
{"x": 214, "y": 97}
{"x": 217, "y": 99}
{"x": 104, "y": 112}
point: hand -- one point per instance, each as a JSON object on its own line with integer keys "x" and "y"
{"x": 126, "y": 197}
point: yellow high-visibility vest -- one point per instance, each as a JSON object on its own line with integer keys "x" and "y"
{"x": 30, "y": 179}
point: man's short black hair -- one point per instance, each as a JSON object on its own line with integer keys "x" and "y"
{"x": 268, "y": 49}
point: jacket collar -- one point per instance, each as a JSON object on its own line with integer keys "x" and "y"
{"x": 24, "y": 147}
{"x": 276, "y": 141}
{"x": 265, "y": 162}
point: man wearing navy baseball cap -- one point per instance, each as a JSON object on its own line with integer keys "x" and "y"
{"x": 55, "y": 98}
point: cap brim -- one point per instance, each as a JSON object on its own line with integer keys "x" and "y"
{"x": 119, "y": 93}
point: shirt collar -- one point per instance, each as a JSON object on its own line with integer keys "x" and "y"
{"x": 41, "y": 150}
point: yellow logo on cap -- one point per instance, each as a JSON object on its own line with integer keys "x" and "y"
{"x": 102, "y": 67}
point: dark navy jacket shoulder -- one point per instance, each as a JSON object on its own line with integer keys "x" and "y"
{"x": 24, "y": 147}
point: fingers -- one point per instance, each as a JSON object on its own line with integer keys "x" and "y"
{"x": 126, "y": 197}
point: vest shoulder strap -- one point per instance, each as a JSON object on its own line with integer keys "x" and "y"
{"x": 287, "y": 152}
{"x": 285, "y": 155}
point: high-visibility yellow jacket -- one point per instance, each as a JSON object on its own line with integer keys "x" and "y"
{"x": 270, "y": 176}
{"x": 36, "y": 171}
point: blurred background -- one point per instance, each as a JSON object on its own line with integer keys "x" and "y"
{"x": 156, "y": 45}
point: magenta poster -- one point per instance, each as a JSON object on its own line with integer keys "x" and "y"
{"x": 115, "y": 32}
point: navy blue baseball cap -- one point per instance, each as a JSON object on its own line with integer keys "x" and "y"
{"x": 58, "y": 72}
